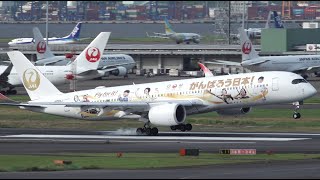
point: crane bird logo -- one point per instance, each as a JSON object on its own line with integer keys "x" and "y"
{"x": 246, "y": 47}
{"x": 93, "y": 54}
{"x": 31, "y": 79}
{"x": 41, "y": 47}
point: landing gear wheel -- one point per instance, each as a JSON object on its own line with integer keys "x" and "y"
{"x": 188, "y": 127}
{"x": 14, "y": 91}
{"x": 173, "y": 128}
{"x": 182, "y": 127}
{"x": 139, "y": 131}
{"x": 148, "y": 131}
{"x": 3, "y": 92}
{"x": 296, "y": 115}
{"x": 154, "y": 131}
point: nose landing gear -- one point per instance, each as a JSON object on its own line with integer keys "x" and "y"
{"x": 296, "y": 114}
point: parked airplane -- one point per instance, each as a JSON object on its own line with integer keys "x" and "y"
{"x": 255, "y": 33}
{"x": 178, "y": 37}
{"x": 161, "y": 103}
{"x": 300, "y": 64}
{"x": 113, "y": 64}
{"x": 71, "y": 38}
{"x": 85, "y": 65}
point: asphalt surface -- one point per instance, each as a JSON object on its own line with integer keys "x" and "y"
{"x": 16, "y": 141}
{"x": 305, "y": 169}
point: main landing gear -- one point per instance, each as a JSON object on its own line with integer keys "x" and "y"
{"x": 9, "y": 92}
{"x": 147, "y": 130}
{"x": 182, "y": 127}
{"x": 296, "y": 114}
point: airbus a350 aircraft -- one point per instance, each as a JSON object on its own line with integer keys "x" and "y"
{"x": 71, "y": 38}
{"x": 85, "y": 66}
{"x": 178, "y": 37}
{"x": 300, "y": 64}
{"x": 161, "y": 103}
{"x": 112, "y": 64}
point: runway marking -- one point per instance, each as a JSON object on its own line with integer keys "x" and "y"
{"x": 122, "y": 141}
{"x": 153, "y": 137}
{"x": 245, "y": 133}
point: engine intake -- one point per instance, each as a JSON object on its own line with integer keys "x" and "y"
{"x": 167, "y": 114}
{"x": 120, "y": 71}
{"x": 234, "y": 111}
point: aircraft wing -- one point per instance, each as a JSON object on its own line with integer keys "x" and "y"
{"x": 221, "y": 62}
{"x": 111, "y": 68}
{"x": 307, "y": 68}
{"x": 259, "y": 62}
{"x": 9, "y": 102}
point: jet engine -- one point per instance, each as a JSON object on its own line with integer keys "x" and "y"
{"x": 234, "y": 111}
{"x": 196, "y": 39}
{"x": 167, "y": 115}
{"x": 120, "y": 71}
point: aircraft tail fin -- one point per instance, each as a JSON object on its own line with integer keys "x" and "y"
{"x": 247, "y": 49}
{"x": 75, "y": 33}
{"x": 167, "y": 27}
{"x": 36, "y": 84}
{"x": 207, "y": 72}
{"x": 277, "y": 20}
{"x": 43, "y": 51}
{"x": 268, "y": 20}
{"x": 89, "y": 58}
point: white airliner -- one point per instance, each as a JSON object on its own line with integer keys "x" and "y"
{"x": 178, "y": 37}
{"x": 255, "y": 33}
{"x": 71, "y": 38}
{"x": 85, "y": 67}
{"x": 293, "y": 63}
{"x": 112, "y": 64}
{"x": 160, "y": 103}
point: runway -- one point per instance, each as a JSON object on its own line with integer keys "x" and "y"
{"x": 43, "y": 141}
{"x": 24, "y": 141}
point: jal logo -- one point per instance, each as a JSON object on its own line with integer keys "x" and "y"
{"x": 310, "y": 47}
{"x": 41, "y": 47}
{"x": 246, "y": 47}
{"x": 31, "y": 79}
{"x": 93, "y": 54}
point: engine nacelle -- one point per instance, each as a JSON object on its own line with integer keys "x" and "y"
{"x": 234, "y": 111}
{"x": 120, "y": 71}
{"x": 196, "y": 39}
{"x": 167, "y": 115}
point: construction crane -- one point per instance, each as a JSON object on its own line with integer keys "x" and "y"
{"x": 286, "y": 9}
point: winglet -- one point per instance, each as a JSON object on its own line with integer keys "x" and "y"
{"x": 5, "y": 99}
{"x": 207, "y": 72}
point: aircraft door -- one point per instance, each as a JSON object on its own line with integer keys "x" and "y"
{"x": 275, "y": 85}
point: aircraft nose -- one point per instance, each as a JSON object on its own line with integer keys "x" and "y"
{"x": 310, "y": 91}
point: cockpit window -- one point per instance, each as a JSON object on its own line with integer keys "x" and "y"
{"x": 297, "y": 81}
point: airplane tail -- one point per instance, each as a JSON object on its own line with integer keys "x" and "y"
{"x": 268, "y": 20}
{"x": 36, "y": 84}
{"x": 247, "y": 49}
{"x": 206, "y": 71}
{"x": 75, "y": 33}
{"x": 167, "y": 27}
{"x": 277, "y": 20}
{"x": 43, "y": 51}
{"x": 90, "y": 57}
